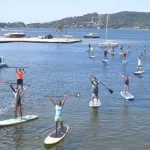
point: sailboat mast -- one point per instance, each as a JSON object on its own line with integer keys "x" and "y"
{"x": 106, "y": 27}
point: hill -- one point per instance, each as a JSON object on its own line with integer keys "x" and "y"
{"x": 125, "y": 19}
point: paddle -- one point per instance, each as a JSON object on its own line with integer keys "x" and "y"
{"x": 76, "y": 95}
{"x": 15, "y": 67}
{"x": 5, "y": 82}
{"x": 111, "y": 91}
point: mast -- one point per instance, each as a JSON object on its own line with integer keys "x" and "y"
{"x": 106, "y": 27}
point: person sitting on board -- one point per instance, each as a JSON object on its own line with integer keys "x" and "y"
{"x": 94, "y": 87}
{"x": 126, "y": 83}
{"x": 144, "y": 49}
{"x": 92, "y": 51}
{"x": 20, "y": 73}
{"x": 105, "y": 54}
{"x": 124, "y": 56}
{"x": 18, "y": 97}
{"x": 139, "y": 67}
{"x": 59, "y": 111}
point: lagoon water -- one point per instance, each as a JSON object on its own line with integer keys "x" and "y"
{"x": 58, "y": 69}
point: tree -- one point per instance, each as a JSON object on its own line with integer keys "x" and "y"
{"x": 59, "y": 29}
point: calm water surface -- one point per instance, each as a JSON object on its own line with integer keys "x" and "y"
{"x": 58, "y": 69}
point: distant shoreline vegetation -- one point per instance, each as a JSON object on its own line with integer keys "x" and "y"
{"x": 120, "y": 20}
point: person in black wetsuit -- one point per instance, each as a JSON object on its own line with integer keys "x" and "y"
{"x": 18, "y": 97}
{"x": 105, "y": 54}
{"x": 126, "y": 83}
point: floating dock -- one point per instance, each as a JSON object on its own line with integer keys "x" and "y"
{"x": 36, "y": 40}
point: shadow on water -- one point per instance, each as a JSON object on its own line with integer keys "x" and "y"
{"x": 57, "y": 146}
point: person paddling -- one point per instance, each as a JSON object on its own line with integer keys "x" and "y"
{"x": 18, "y": 99}
{"x": 126, "y": 83}
{"x": 59, "y": 111}
{"x": 94, "y": 87}
{"x": 20, "y": 73}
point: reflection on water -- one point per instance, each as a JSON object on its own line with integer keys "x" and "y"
{"x": 17, "y": 137}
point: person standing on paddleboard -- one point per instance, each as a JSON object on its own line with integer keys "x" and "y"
{"x": 89, "y": 47}
{"x": 94, "y": 87}
{"x": 92, "y": 51}
{"x": 105, "y": 54}
{"x": 18, "y": 97}
{"x": 144, "y": 49}
{"x": 139, "y": 67}
{"x": 126, "y": 83}
{"x": 20, "y": 73}
{"x": 59, "y": 111}
{"x": 124, "y": 56}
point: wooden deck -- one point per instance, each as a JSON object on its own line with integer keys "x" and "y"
{"x": 36, "y": 40}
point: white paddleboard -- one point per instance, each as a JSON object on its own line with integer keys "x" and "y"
{"x": 124, "y": 61}
{"x": 120, "y": 53}
{"x": 105, "y": 60}
{"x": 95, "y": 103}
{"x": 112, "y": 53}
{"x": 127, "y": 96}
{"x": 138, "y": 72}
{"x": 18, "y": 120}
{"x": 53, "y": 138}
{"x": 91, "y": 56}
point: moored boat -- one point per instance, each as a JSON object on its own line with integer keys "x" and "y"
{"x": 14, "y": 35}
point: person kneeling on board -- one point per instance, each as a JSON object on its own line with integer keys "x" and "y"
{"x": 126, "y": 83}
{"x": 20, "y": 73}
{"x": 18, "y": 97}
{"x": 94, "y": 87}
{"x": 59, "y": 111}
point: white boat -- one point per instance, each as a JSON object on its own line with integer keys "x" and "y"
{"x": 2, "y": 64}
{"x": 108, "y": 43}
{"x": 14, "y": 35}
{"x": 68, "y": 36}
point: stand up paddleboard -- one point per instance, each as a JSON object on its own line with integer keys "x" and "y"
{"x": 124, "y": 61}
{"x": 91, "y": 56}
{"x": 112, "y": 53}
{"x": 95, "y": 103}
{"x": 18, "y": 120}
{"x": 127, "y": 96}
{"x": 138, "y": 72}
{"x": 120, "y": 53}
{"x": 55, "y": 138}
{"x": 105, "y": 60}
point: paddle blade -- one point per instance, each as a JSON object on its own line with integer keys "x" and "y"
{"x": 111, "y": 91}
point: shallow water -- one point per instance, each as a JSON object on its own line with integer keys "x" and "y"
{"x": 57, "y": 69}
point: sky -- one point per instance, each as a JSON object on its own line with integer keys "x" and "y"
{"x": 31, "y": 11}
